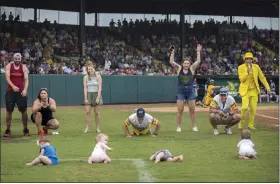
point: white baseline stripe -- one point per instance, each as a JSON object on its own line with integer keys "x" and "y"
{"x": 267, "y": 116}
{"x": 85, "y": 159}
{"x": 143, "y": 173}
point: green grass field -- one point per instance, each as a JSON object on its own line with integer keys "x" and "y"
{"x": 207, "y": 158}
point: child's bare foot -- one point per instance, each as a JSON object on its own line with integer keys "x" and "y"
{"x": 28, "y": 164}
{"x": 181, "y": 158}
{"x": 157, "y": 161}
{"x": 152, "y": 157}
{"x": 106, "y": 161}
{"x": 243, "y": 157}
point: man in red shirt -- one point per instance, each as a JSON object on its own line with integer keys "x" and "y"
{"x": 17, "y": 80}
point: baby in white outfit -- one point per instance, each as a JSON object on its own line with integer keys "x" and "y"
{"x": 99, "y": 153}
{"x": 246, "y": 146}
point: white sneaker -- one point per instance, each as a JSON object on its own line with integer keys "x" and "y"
{"x": 228, "y": 131}
{"x": 195, "y": 129}
{"x": 216, "y": 132}
{"x": 55, "y": 133}
{"x": 179, "y": 129}
{"x": 86, "y": 130}
{"x": 98, "y": 131}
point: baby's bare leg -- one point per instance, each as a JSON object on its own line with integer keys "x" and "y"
{"x": 152, "y": 157}
{"x": 89, "y": 161}
{"x": 159, "y": 157}
{"x": 175, "y": 159}
{"x": 41, "y": 159}
{"x": 243, "y": 157}
{"x": 106, "y": 161}
{"x": 45, "y": 160}
{"x": 36, "y": 161}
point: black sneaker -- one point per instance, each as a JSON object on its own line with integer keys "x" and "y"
{"x": 8, "y": 133}
{"x": 26, "y": 132}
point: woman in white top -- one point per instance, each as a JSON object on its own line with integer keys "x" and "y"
{"x": 92, "y": 95}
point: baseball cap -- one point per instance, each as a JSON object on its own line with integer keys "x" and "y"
{"x": 140, "y": 113}
{"x": 223, "y": 91}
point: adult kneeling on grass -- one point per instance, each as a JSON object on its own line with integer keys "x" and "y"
{"x": 224, "y": 111}
{"x": 42, "y": 113}
{"x": 141, "y": 123}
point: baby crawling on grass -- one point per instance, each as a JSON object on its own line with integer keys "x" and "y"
{"x": 246, "y": 146}
{"x": 165, "y": 155}
{"x": 99, "y": 153}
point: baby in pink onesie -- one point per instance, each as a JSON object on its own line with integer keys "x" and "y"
{"x": 99, "y": 153}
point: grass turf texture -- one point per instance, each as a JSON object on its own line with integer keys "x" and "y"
{"x": 207, "y": 158}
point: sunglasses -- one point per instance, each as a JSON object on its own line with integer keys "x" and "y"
{"x": 223, "y": 95}
{"x": 44, "y": 89}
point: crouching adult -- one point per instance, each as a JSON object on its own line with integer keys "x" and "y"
{"x": 42, "y": 113}
{"x": 224, "y": 111}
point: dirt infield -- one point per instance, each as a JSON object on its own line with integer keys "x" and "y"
{"x": 200, "y": 109}
{"x": 267, "y": 114}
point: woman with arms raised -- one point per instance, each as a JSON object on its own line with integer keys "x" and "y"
{"x": 186, "y": 91}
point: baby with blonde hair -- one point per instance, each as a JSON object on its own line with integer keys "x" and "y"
{"x": 246, "y": 146}
{"x": 99, "y": 153}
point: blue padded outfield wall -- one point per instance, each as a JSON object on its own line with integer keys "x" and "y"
{"x": 68, "y": 89}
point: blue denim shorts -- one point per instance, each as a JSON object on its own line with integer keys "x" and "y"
{"x": 187, "y": 94}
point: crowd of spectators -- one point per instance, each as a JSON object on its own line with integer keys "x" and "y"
{"x": 135, "y": 48}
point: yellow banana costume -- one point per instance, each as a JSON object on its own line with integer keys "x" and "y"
{"x": 249, "y": 88}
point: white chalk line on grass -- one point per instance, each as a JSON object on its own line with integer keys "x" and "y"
{"x": 143, "y": 172}
{"x": 270, "y": 117}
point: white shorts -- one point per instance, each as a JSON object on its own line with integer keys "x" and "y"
{"x": 98, "y": 158}
{"x": 247, "y": 152}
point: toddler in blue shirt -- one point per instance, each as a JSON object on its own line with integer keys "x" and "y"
{"x": 47, "y": 155}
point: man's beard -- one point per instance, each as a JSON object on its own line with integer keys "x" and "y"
{"x": 17, "y": 63}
